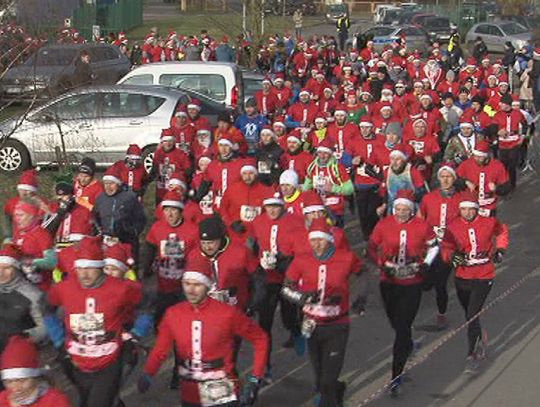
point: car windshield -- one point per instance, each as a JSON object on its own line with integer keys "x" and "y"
{"x": 437, "y": 23}
{"x": 513, "y": 28}
{"x": 52, "y": 56}
{"x": 337, "y": 8}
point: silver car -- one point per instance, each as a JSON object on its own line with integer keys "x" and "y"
{"x": 496, "y": 34}
{"x": 383, "y": 35}
{"x": 99, "y": 122}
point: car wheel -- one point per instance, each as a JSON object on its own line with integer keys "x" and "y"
{"x": 13, "y": 157}
{"x": 148, "y": 157}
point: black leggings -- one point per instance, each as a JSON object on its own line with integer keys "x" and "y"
{"x": 289, "y": 312}
{"x": 472, "y": 294}
{"x": 401, "y": 303}
{"x": 440, "y": 271}
{"x": 327, "y": 346}
{"x": 99, "y": 389}
{"x": 367, "y": 202}
{"x": 510, "y": 158}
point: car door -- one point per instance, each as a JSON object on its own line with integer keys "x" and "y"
{"x": 498, "y": 38}
{"x": 122, "y": 117}
{"x": 415, "y": 38}
{"x": 68, "y": 123}
{"x": 483, "y": 30}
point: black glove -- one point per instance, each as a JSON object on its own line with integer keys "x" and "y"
{"x": 238, "y": 227}
{"x": 458, "y": 259}
{"x": 66, "y": 206}
{"x": 130, "y": 352}
{"x": 423, "y": 269}
{"x": 250, "y": 392}
{"x": 498, "y": 256}
{"x": 309, "y": 298}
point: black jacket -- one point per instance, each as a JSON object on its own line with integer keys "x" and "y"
{"x": 22, "y": 305}
{"x": 268, "y": 163}
{"x": 120, "y": 215}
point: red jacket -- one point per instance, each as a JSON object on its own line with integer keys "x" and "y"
{"x": 222, "y": 174}
{"x": 331, "y": 279}
{"x": 52, "y": 397}
{"x": 232, "y": 267}
{"x": 295, "y": 204}
{"x": 480, "y": 120}
{"x": 283, "y": 96}
{"x": 135, "y": 179}
{"x": 439, "y": 211}
{"x": 243, "y": 202}
{"x": 298, "y": 162}
{"x": 400, "y": 243}
{"x": 276, "y": 236}
{"x": 512, "y": 122}
{"x": 173, "y": 245}
{"x": 267, "y": 103}
{"x": 303, "y": 112}
{"x": 365, "y": 149}
{"x": 205, "y": 335}
{"x": 86, "y": 196}
{"x": 185, "y": 135}
{"x": 427, "y": 146}
{"x": 481, "y": 176}
{"x": 476, "y": 240}
{"x": 165, "y": 164}
{"x": 342, "y": 136}
{"x": 78, "y": 222}
{"x": 94, "y": 319}
{"x": 448, "y": 87}
{"x": 32, "y": 244}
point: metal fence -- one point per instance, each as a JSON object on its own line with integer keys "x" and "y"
{"x": 120, "y": 16}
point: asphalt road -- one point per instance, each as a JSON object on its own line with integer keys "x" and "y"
{"x": 507, "y": 377}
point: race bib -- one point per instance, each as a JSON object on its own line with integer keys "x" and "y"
{"x": 264, "y": 167}
{"x": 216, "y": 392}
{"x": 248, "y": 213}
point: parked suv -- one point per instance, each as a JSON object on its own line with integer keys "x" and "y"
{"x": 50, "y": 71}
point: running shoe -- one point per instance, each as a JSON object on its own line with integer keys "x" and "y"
{"x": 442, "y": 322}
{"x": 395, "y": 387}
{"x": 472, "y": 364}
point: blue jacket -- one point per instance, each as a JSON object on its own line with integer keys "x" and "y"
{"x": 251, "y": 129}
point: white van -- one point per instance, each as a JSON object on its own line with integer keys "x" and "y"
{"x": 220, "y": 81}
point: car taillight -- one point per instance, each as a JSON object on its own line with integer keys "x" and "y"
{"x": 234, "y": 96}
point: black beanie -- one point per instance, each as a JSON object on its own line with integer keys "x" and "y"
{"x": 87, "y": 166}
{"x": 507, "y": 99}
{"x": 63, "y": 188}
{"x": 211, "y": 228}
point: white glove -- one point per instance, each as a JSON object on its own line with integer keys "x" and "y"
{"x": 268, "y": 260}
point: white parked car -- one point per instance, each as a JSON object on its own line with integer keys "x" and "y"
{"x": 496, "y": 34}
{"x": 99, "y": 122}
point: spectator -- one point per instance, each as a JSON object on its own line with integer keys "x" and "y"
{"x": 298, "y": 19}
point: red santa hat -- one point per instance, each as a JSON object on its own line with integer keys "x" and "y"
{"x": 268, "y": 129}
{"x": 172, "y": 199}
{"x": 177, "y": 179}
{"x": 325, "y": 146}
{"x": 481, "y": 149}
{"x": 295, "y": 136}
{"x": 134, "y": 152}
{"x": 28, "y": 181}
{"x": 225, "y": 141}
{"x": 203, "y": 131}
{"x": 321, "y": 117}
{"x": 267, "y": 79}
{"x": 365, "y": 122}
{"x": 419, "y": 120}
{"x": 536, "y": 54}
{"x": 400, "y": 150}
{"x": 194, "y": 104}
{"x": 466, "y": 122}
{"x": 279, "y": 77}
{"x": 304, "y": 91}
{"x": 471, "y": 62}
{"x": 426, "y": 96}
{"x": 20, "y": 359}
{"x": 118, "y": 255}
{"x": 385, "y": 106}
{"x": 319, "y": 229}
{"x": 448, "y": 167}
{"x": 340, "y": 110}
{"x": 113, "y": 175}
{"x": 181, "y": 111}
{"x": 10, "y": 256}
{"x": 198, "y": 269}
{"x": 89, "y": 254}
{"x": 274, "y": 199}
{"x": 167, "y": 135}
{"x": 319, "y": 74}
{"x": 312, "y": 202}
{"x": 248, "y": 168}
{"x": 289, "y": 177}
{"x": 467, "y": 199}
{"x": 404, "y": 197}
{"x": 279, "y": 121}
